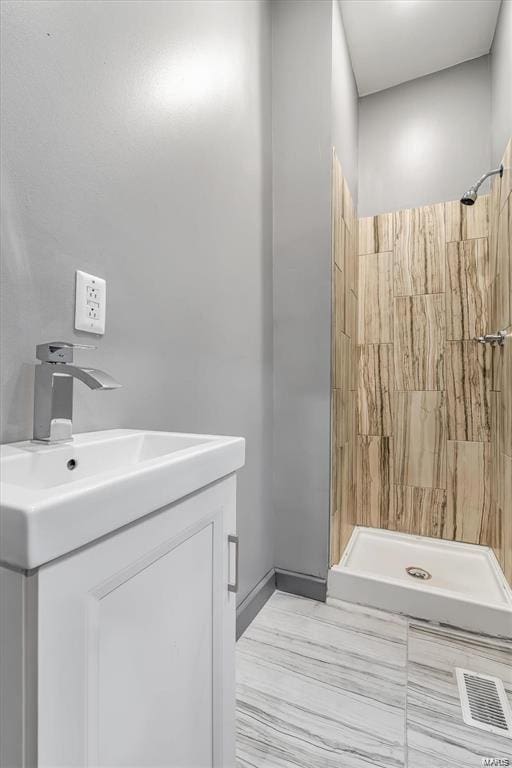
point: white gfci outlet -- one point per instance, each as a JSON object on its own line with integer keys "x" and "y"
{"x": 90, "y": 303}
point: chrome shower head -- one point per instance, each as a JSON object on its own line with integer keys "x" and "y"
{"x": 469, "y": 197}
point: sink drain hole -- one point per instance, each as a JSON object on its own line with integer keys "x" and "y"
{"x": 72, "y": 464}
{"x": 418, "y": 573}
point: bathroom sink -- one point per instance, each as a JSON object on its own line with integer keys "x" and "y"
{"x": 55, "y": 498}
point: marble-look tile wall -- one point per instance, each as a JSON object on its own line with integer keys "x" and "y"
{"x": 344, "y": 369}
{"x": 434, "y": 407}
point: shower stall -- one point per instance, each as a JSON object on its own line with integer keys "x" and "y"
{"x": 421, "y": 445}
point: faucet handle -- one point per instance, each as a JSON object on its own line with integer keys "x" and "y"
{"x": 493, "y": 339}
{"x": 59, "y": 351}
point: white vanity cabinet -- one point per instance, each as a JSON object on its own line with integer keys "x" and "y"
{"x": 121, "y": 652}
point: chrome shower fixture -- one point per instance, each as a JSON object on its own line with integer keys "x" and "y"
{"x": 469, "y": 197}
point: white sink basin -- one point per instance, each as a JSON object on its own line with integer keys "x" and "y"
{"x": 48, "y": 508}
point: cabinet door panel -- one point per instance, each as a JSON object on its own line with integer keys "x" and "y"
{"x": 136, "y": 644}
{"x": 155, "y": 661}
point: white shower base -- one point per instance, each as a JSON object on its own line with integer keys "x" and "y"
{"x": 467, "y": 588}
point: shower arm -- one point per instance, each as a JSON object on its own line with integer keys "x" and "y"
{"x": 485, "y": 176}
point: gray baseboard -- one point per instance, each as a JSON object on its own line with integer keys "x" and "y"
{"x": 301, "y": 584}
{"x": 252, "y": 604}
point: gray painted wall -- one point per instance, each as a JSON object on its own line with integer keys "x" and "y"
{"x": 137, "y": 146}
{"x": 308, "y": 109}
{"x": 344, "y": 108}
{"x": 301, "y": 100}
{"x": 501, "y": 83}
{"x": 426, "y": 140}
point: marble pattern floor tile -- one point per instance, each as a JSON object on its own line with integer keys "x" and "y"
{"x": 321, "y": 686}
{"x": 437, "y": 737}
{"x": 337, "y": 685}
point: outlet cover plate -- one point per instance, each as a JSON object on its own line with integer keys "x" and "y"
{"x": 90, "y": 303}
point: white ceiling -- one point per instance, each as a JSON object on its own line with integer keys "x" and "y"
{"x": 392, "y": 41}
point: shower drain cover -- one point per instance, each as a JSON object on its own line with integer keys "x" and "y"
{"x": 418, "y": 573}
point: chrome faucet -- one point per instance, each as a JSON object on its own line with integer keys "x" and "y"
{"x": 53, "y": 389}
